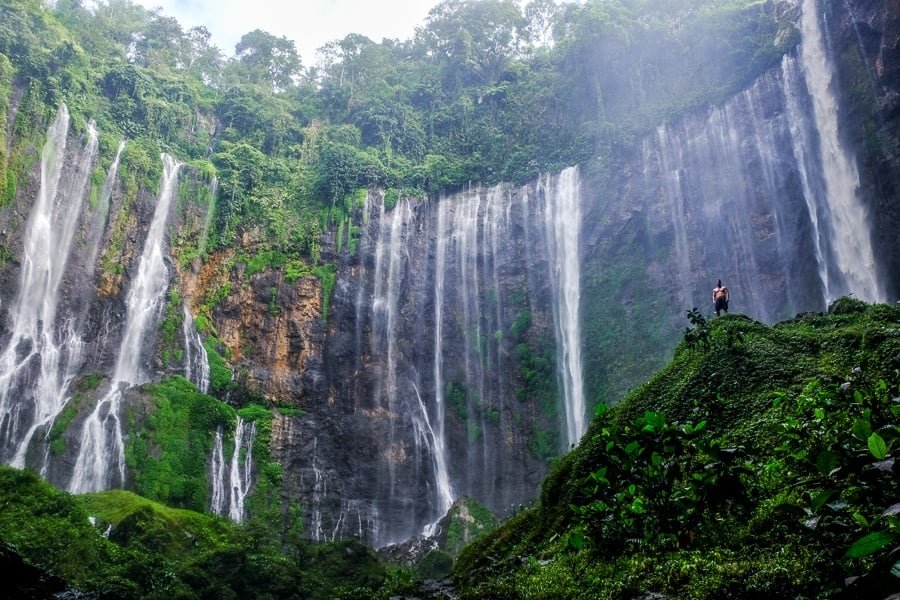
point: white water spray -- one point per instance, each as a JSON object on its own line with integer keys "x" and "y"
{"x": 439, "y": 453}
{"x": 850, "y": 239}
{"x": 30, "y": 400}
{"x": 562, "y": 220}
{"x": 241, "y": 468}
{"x": 102, "y": 449}
{"x": 196, "y": 359}
{"x": 218, "y": 497}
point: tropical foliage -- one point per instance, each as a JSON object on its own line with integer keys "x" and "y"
{"x": 759, "y": 463}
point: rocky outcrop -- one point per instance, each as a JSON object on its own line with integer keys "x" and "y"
{"x": 274, "y": 329}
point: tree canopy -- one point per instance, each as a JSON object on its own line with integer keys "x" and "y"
{"x": 486, "y": 90}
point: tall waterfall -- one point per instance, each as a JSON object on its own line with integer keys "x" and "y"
{"x": 761, "y": 193}
{"x": 442, "y": 479}
{"x": 218, "y": 497}
{"x": 849, "y": 238}
{"x": 390, "y": 252}
{"x": 101, "y": 456}
{"x": 101, "y": 210}
{"x": 43, "y": 352}
{"x": 437, "y": 371}
{"x": 241, "y": 468}
{"x": 562, "y": 218}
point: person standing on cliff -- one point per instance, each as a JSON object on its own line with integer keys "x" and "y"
{"x": 720, "y": 297}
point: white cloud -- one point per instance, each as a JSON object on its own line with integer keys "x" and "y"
{"x": 309, "y": 23}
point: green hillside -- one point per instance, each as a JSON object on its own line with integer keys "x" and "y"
{"x": 116, "y": 544}
{"x": 758, "y": 464}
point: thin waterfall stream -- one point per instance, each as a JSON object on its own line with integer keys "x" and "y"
{"x": 101, "y": 457}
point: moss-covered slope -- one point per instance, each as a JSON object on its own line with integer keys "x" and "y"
{"x": 117, "y": 544}
{"x": 758, "y": 464}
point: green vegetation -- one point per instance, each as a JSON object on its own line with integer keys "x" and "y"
{"x": 170, "y": 329}
{"x": 755, "y": 463}
{"x": 220, "y": 376}
{"x": 467, "y": 520}
{"x": 154, "y": 551}
{"x": 168, "y": 456}
{"x": 83, "y": 386}
{"x": 477, "y": 95}
{"x": 758, "y": 463}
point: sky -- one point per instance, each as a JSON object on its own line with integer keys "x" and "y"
{"x": 309, "y": 23}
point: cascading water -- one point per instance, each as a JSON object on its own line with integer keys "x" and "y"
{"x": 43, "y": 352}
{"x": 444, "y": 406}
{"x": 230, "y": 483}
{"x": 102, "y": 449}
{"x": 319, "y": 492}
{"x": 196, "y": 359}
{"x": 775, "y": 234}
{"x": 218, "y": 496}
{"x": 850, "y": 239}
{"x": 443, "y": 487}
{"x": 389, "y": 255}
{"x": 241, "y": 469}
{"x": 101, "y": 210}
{"x": 562, "y": 213}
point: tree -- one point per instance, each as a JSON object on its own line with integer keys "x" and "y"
{"x": 475, "y": 38}
{"x": 269, "y": 59}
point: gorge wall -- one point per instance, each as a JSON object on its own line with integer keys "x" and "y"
{"x": 466, "y": 337}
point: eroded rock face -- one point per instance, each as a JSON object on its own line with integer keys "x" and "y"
{"x": 272, "y": 328}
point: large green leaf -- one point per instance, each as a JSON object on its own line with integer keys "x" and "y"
{"x": 869, "y": 544}
{"x": 862, "y": 429}
{"x": 877, "y": 446}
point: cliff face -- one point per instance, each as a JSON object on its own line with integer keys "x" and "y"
{"x": 423, "y": 396}
{"x": 468, "y": 337}
{"x": 272, "y": 328}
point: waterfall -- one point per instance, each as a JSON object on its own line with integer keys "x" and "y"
{"x": 102, "y": 450}
{"x": 241, "y": 468}
{"x": 218, "y": 496}
{"x": 43, "y": 351}
{"x": 196, "y": 360}
{"x": 850, "y": 239}
{"x": 101, "y": 210}
{"x": 464, "y": 228}
{"x": 149, "y": 285}
{"x": 425, "y": 434}
{"x": 390, "y": 253}
{"x": 439, "y": 374}
{"x": 562, "y": 218}
{"x": 443, "y": 488}
{"x": 319, "y": 492}
{"x": 237, "y": 474}
{"x": 109, "y": 182}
